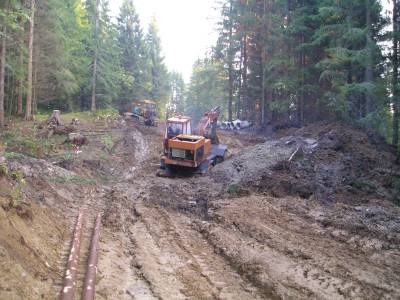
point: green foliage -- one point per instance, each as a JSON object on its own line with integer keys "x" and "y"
{"x": 3, "y": 170}
{"x": 26, "y": 142}
{"x": 206, "y": 88}
{"x": 134, "y": 59}
{"x": 159, "y": 88}
{"x": 76, "y": 179}
{"x": 11, "y": 155}
{"x": 105, "y": 114}
{"x": 108, "y": 142}
{"x": 16, "y": 196}
{"x": 176, "y": 104}
{"x": 233, "y": 189}
{"x": 300, "y": 61}
{"x": 18, "y": 176}
{"x": 363, "y": 185}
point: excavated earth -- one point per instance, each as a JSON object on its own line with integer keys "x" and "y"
{"x": 309, "y": 214}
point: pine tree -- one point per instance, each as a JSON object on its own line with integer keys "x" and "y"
{"x": 160, "y": 87}
{"x": 207, "y": 88}
{"x": 133, "y": 54}
{"x": 176, "y": 104}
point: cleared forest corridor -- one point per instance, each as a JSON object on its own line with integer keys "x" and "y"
{"x": 267, "y": 168}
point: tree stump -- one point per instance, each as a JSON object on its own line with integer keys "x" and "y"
{"x": 54, "y": 119}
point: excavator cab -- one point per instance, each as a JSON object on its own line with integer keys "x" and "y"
{"x": 196, "y": 151}
{"x": 178, "y": 125}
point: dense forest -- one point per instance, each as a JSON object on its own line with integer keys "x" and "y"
{"x": 275, "y": 63}
{"x": 293, "y": 62}
{"x": 73, "y": 55}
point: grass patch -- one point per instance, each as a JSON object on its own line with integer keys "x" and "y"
{"x": 233, "y": 189}
{"x": 16, "y": 196}
{"x": 86, "y": 116}
{"x": 237, "y": 190}
{"x": 3, "y": 170}
{"x": 108, "y": 142}
{"x": 74, "y": 179}
{"x": 26, "y": 141}
{"x": 11, "y": 155}
{"x": 363, "y": 185}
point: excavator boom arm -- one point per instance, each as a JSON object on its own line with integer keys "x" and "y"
{"x": 210, "y": 118}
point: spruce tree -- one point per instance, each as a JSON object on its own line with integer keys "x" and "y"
{"x": 160, "y": 87}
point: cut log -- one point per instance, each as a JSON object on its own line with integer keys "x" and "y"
{"x": 64, "y": 129}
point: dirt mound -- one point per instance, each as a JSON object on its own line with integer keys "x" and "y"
{"x": 253, "y": 162}
{"x": 347, "y": 165}
{"x": 331, "y": 162}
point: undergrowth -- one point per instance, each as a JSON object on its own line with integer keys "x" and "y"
{"x": 88, "y": 116}
{"x": 74, "y": 179}
{"x": 26, "y": 141}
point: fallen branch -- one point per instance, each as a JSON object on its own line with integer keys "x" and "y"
{"x": 297, "y": 153}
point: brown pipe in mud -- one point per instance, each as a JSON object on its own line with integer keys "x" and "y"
{"x": 68, "y": 292}
{"x": 91, "y": 270}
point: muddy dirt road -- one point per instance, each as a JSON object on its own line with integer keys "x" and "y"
{"x": 206, "y": 237}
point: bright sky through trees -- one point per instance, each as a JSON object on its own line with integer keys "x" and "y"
{"x": 186, "y": 28}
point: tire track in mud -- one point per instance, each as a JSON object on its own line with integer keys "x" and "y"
{"x": 179, "y": 263}
{"x": 119, "y": 275}
{"x": 147, "y": 252}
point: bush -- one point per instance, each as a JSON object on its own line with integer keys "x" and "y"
{"x": 108, "y": 142}
{"x": 233, "y": 189}
{"x": 26, "y": 141}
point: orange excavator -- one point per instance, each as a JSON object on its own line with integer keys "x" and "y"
{"x": 196, "y": 151}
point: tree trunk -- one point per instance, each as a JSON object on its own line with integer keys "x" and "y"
{"x": 300, "y": 96}
{"x": 20, "y": 81}
{"x": 34, "y": 94}
{"x": 28, "y": 110}
{"x": 264, "y": 105}
{"x": 230, "y": 62}
{"x": 369, "y": 76}
{"x": 239, "y": 101}
{"x": 395, "y": 79}
{"x": 2, "y": 75}
{"x": 245, "y": 83}
{"x": 96, "y": 25}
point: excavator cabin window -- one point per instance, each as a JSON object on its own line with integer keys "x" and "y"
{"x": 174, "y": 129}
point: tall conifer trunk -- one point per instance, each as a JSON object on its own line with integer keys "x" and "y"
{"x": 2, "y": 75}
{"x": 28, "y": 110}
{"x": 20, "y": 80}
{"x": 96, "y": 25}
{"x": 369, "y": 68}
{"x": 395, "y": 78}
{"x": 230, "y": 61}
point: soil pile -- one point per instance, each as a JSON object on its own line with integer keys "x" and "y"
{"x": 346, "y": 165}
{"x": 331, "y": 163}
